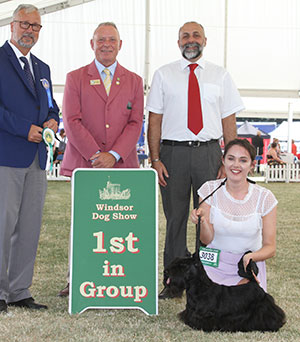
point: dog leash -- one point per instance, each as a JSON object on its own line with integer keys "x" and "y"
{"x": 198, "y": 226}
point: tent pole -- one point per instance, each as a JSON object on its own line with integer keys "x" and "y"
{"x": 290, "y": 121}
{"x": 147, "y": 47}
{"x": 146, "y": 71}
{"x": 225, "y": 33}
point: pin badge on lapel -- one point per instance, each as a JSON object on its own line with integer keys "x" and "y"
{"x": 129, "y": 105}
{"x": 118, "y": 81}
{"x": 46, "y": 86}
{"x": 94, "y": 82}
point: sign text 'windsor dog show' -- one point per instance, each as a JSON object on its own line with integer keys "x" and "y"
{"x": 114, "y": 240}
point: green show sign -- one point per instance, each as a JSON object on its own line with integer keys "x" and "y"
{"x": 114, "y": 240}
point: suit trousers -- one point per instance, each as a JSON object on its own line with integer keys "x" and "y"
{"x": 188, "y": 168}
{"x": 22, "y": 199}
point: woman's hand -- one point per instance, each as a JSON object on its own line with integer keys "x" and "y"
{"x": 195, "y": 215}
{"x": 246, "y": 260}
{"x": 207, "y": 230}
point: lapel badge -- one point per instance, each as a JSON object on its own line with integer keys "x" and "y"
{"x": 94, "y": 82}
{"x": 118, "y": 81}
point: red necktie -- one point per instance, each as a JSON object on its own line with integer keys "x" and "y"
{"x": 195, "y": 121}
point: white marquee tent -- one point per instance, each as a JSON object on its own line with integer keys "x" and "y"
{"x": 258, "y": 41}
{"x": 281, "y": 132}
{"x": 247, "y": 130}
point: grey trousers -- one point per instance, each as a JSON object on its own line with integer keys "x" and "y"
{"x": 188, "y": 168}
{"x": 22, "y": 199}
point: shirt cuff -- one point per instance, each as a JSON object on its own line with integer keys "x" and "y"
{"x": 115, "y": 154}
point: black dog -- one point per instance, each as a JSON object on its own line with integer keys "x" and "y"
{"x": 214, "y": 307}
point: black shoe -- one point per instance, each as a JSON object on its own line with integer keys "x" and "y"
{"x": 64, "y": 292}
{"x": 28, "y": 303}
{"x": 3, "y": 306}
{"x": 166, "y": 293}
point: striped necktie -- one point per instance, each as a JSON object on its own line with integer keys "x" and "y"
{"x": 107, "y": 81}
{"x": 28, "y": 74}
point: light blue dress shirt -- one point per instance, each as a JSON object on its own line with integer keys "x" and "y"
{"x": 112, "y": 69}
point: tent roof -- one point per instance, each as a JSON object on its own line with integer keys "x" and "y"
{"x": 281, "y": 132}
{"x": 45, "y": 6}
{"x": 247, "y": 130}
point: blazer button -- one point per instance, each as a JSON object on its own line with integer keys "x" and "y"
{"x": 38, "y": 107}
{"x": 107, "y": 125}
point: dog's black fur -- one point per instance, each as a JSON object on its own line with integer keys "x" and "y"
{"x": 214, "y": 307}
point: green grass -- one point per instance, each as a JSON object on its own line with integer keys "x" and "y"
{"x": 133, "y": 325}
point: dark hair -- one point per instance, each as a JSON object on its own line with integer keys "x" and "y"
{"x": 274, "y": 144}
{"x": 243, "y": 143}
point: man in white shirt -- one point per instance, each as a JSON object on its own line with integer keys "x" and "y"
{"x": 184, "y": 157}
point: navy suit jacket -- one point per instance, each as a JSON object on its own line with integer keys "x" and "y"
{"x": 19, "y": 109}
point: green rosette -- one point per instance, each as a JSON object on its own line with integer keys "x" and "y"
{"x": 49, "y": 139}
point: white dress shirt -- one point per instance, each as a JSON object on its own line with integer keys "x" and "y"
{"x": 19, "y": 54}
{"x": 169, "y": 96}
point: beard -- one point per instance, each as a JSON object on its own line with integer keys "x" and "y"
{"x": 193, "y": 53}
{"x": 26, "y": 45}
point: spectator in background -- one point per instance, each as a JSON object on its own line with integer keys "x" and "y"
{"x": 258, "y": 143}
{"x": 61, "y": 146}
{"x": 272, "y": 155}
{"x": 294, "y": 148}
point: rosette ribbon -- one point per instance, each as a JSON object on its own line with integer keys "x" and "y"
{"x": 46, "y": 86}
{"x": 49, "y": 139}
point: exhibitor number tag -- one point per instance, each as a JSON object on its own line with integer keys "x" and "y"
{"x": 209, "y": 256}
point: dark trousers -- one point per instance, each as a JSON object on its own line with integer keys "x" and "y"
{"x": 188, "y": 168}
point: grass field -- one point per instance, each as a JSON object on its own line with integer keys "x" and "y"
{"x": 56, "y": 324}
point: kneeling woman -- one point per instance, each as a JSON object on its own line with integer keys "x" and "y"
{"x": 239, "y": 217}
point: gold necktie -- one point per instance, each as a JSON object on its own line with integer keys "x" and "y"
{"x": 107, "y": 81}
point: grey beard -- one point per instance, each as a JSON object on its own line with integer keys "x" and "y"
{"x": 28, "y": 46}
{"x": 191, "y": 54}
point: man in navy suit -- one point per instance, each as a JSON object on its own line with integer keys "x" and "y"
{"x": 26, "y": 107}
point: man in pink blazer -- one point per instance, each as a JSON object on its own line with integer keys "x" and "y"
{"x": 102, "y": 113}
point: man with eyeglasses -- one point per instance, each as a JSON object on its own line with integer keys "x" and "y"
{"x": 26, "y": 108}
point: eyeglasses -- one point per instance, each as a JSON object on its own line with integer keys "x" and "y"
{"x": 25, "y": 25}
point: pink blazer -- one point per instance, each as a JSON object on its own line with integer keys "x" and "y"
{"x": 94, "y": 121}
